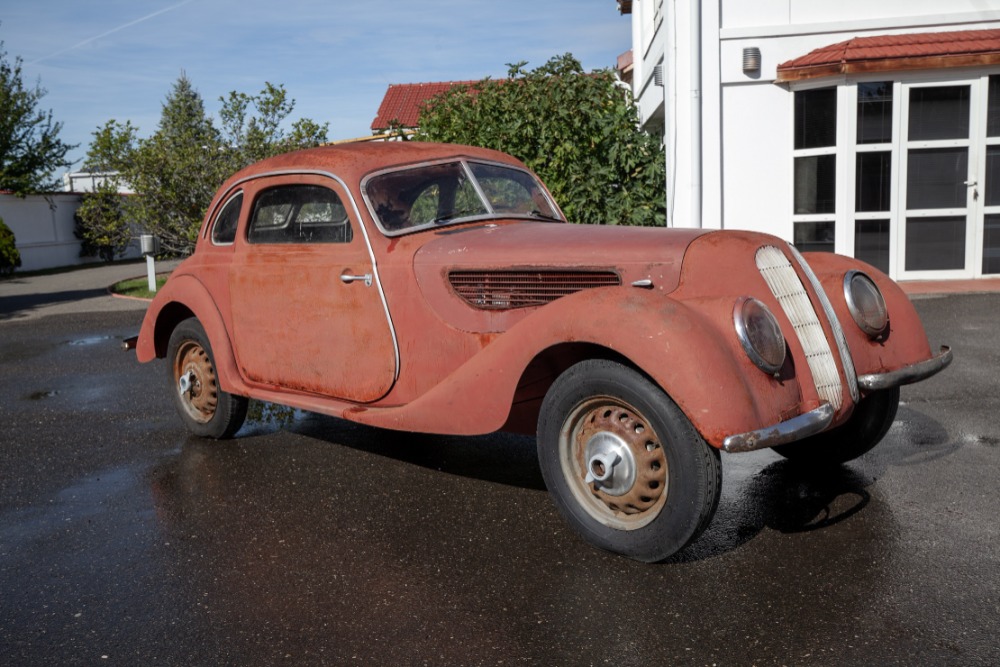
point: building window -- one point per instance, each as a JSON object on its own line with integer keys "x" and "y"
{"x": 991, "y": 184}
{"x": 913, "y": 187}
{"x": 873, "y": 173}
{"x": 815, "y": 169}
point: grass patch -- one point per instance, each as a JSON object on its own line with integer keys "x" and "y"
{"x": 138, "y": 287}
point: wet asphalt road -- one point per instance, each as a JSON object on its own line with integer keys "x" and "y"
{"x": 123, "y": 541}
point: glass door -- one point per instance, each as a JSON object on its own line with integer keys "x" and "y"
{"x": 939, "y": 191}
{"x": 990, "y": 242}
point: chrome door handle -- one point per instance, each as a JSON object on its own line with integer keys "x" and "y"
{"x": 348, "y": 278}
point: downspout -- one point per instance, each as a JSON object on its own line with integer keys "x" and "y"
{"x": 696, "y": 159}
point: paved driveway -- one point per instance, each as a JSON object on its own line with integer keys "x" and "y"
{"x": 125, "y": 541}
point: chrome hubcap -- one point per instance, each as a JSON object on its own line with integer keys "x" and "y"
{"x": 610, "y": 464}
{"x": 614, "y": 463}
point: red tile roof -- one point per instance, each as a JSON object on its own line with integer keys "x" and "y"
{"x": 402, "y": 102}
{"x": 625, "y": 61}
{"x": 927, "y": 50}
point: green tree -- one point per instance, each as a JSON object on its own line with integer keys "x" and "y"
{"x": 579, "y": 131}
{"x": 102, "y": 223}
{"x": 252, "y": 126}
{"x": 102, "y": 220}
{"x": 10, "y": 257}
{"x": 30, "y": 148}
{"x": 176, "y": 171}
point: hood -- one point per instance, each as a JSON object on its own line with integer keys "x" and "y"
{"x": 635, "y": 253}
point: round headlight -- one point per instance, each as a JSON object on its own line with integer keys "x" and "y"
{"x": 760, "y": 334}
{"x": 866, "y": 304}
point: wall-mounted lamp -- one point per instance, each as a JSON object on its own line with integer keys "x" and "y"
{"x": 658, "y": 75}
{"x": 751, "y": 60}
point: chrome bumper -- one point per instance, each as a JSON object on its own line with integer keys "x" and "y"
{"x": 796, "y": 428}
{"x": 908, "y": 375}
{"x": 815, "y": 421}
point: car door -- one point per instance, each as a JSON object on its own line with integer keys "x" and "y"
{"x": 307, "y": 310}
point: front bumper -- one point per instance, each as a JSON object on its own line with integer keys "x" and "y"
{"x": 907, "y": 375}
{"x": 815, "y": 421}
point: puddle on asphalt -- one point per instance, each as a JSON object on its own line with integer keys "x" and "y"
{"x": 90, "y": 340}
{"x": 42, "y": 394}
{"x": 986, "y": 440}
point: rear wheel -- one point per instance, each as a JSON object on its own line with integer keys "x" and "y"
{"x": 866, "y": 427}
{"x": 206, "y": 410}
{"x": 623, "y": 464}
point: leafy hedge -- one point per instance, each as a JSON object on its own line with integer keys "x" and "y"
{"x": 579, "y": 131}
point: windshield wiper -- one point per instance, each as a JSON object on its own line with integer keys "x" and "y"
{"x": 454, "y": 215}
{"x": 542, "y": 216}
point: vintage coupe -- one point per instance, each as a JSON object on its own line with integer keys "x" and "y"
{"x": 438, "y": 289}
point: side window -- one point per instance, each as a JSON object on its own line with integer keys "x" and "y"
{"x": 299, "y": 214}
{"x": 224, "y": 229}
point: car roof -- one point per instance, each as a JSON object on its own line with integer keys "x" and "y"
{"x": 352, "y": 162}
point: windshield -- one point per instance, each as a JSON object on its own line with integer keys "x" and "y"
{"x": 449, "y": 192}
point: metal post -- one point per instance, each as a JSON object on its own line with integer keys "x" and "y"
{"x": 151, "y": 272}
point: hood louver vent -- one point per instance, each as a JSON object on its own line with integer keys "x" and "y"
{"x": 522, "y": 288}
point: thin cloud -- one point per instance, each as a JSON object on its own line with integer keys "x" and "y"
{"x": 111, "y": 32}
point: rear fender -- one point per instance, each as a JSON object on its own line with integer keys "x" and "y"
{"x": 181, "y": 297}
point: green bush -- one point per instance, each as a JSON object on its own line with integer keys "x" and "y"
{"x": 10, "y": 258}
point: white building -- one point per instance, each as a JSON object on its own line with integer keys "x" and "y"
{"x": 88, "y": 181}
{"x": 871, "y": 128}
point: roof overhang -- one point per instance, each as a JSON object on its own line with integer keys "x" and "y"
{"x": 895, "y": 53}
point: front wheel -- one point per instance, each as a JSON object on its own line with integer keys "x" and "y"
{"x": 625, "y": 467}
{"x": 865, "y": 428}
{"x": 206, "y": 409}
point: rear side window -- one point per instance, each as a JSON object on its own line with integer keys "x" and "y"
{"x": 299, "y": 214}
{"x": 224, "y": 229}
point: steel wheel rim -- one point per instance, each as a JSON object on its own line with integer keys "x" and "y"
{"x": 201, "y": 399}
{"x": 603, "y": 431}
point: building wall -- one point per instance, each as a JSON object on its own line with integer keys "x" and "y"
{"x": 735, "y": 155}
{"x": 43, "y": 230}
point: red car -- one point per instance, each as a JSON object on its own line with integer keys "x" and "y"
{"x": 439, "y": 289}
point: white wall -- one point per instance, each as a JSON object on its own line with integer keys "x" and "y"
{"x": 43, "y": 230}
{"x": 756, "y": 163}
{"x": 805, "y": 14}
{"x": 757, "y": 114}
{"x": 745, "y": 139}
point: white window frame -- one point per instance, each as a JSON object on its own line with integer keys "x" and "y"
{"x": 847, "y": 149}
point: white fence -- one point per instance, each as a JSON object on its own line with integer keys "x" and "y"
{"x": 43, "y": 229}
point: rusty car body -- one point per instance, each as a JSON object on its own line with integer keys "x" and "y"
{"x": 439, "y": 289}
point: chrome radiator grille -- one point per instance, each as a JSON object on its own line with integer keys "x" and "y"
{"x": 777, "y": 271}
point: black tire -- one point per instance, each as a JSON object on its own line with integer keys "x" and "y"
{"x": 865, "y": 428}
{"x": 205, "y": 409}
{"x": 663, "y": 483}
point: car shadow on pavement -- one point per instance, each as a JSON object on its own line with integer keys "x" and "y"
{"x": 791, "y": 497}
{"x": 13, "y": 307}
{"x": 502, "y": 458}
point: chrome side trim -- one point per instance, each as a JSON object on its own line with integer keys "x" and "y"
{"x": 907, "y": 375}
{"x": 796, "y": 428}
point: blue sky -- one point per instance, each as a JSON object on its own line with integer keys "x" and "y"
{"x": 118, "y": 59}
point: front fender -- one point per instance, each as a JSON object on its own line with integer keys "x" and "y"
{"x": 906, "y": 343}
{"x": 181, "y": 297}
{"x": 683, "y": 349}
